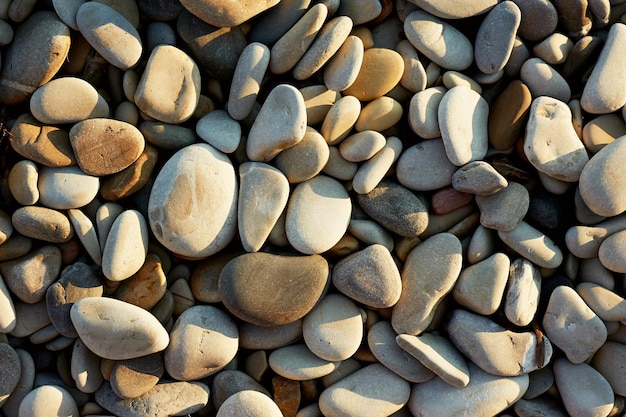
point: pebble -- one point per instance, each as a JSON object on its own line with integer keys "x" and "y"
{"x": 539, "y": 19}
{"x": 337, "y": 167}
{"x": 276, "y": 21}
{"x": 251, "y": 67}
{"x": 608, "y": 305}
{"x": 229, "y": 382}
{"x": 602, "y": 130}
{"x": 25, "y": 384}
{"x": 270, "y": 290}
{"x": 340, "y": 119}
{"x": 373, "y": 390}
{"x": 281, "y": 123}
{"x": 543, "y": 80}
{"x": 132, "y": 178}
{"x": 110, "y": 34}
{"x": 573, "y": 381}
{"x": 414, "y": 77}
{"x": 203, "y": 341}
{"x": 455, "y": 9}
{"x": 256, "y": 337}
{"x": 164, "y": 399}
{"x": 132, "y": 378}
{"x": 479, "y": 178}
{"x": 439, "y": 41}
{"x": 167, "y": 136}
{"x": 146, "y": 287}
{"x": 372, "y": 171}
{"x": 22, "y": 180}
{"x": 318, "y": 214}
{"x": 298, "y": 363}
{"x": 361, "y": 146}
{"x": 41, "y": 44}
{"x": 608, "y": 361}
{"x": 554, "y": 49}
{"x": 179, "y": 202}
{"x": 85, "y": 368}
{"x": 505, "y": 209}
{"x": 381, "y": 70}
{"x": 508, "y": 115}
{"x": 454, "y": 78}
{"x": 425, "y": 166}
{"x": 126, "y": 246}
{"x": 29, "y": 277}
{"x": 379, "y": 114}
{"x": 603, "y": 92}
{"x": 371, "y": 232}
{"x": 305, "y": 159}
{"x": 533, "y": 245}
{"x": 45, "y": 145}
{"x": 423, "y": 108}
{"x": 173, "y": 101}
{"x": 86, "y": 233}
{"x": 7, "y": 309}
{"x": 522, "y": 296}
{"x": 463, "y": 119}
{"x": 42, "y": 223}
{"x": 425, "y": 284}
{"x": 66, "y": 187}
{"x": 369, "y": 276}
{"x": 29, "y": 318}
{"x": 343, "y": 68}
{"x": 252, "y": 403}
{"x": 117, "y": 330}
{"x": 395, "y": 208}
{"x": 611, "y": 254}
{"x": 572, "y": 326}
{"x": 40, "y": 401}
{"x": 10, "y": 373}
{"x": 226, "y": 14}
{"x": 495, "y": 37}
{"x": 496, "y": 350}
{"x": 218, "y": 129}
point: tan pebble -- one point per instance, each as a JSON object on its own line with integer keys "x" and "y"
{"x": 46, "y": 145}
{"x": 127, "y": 112}
{"x": 305, "y": 159}
{"x": 318, "y": 100}
{"x": 361, "y": 146}
{"x": 105, "y": 216}
{"x": 602, "y": 130}
{"x": 479, "y": 178}
{"x": 23, "y": 179}
{"x": 205, "y": 275}
{"x": 86, "y": 232}
{"x": 226, "y": 13}
{"x": 423, "y": 108}
{"x": 146, "y": 287}
{"x": 131, "y": 378}
{"x": 508, "y": 115}
{"x": 414, "y": 76}
{"x": 42, "y": 399}
{"x": 298, "y": 363}
{"x": 43, "y": 224}
{"x": 370, "y": 173}
{"x": 340, "y": 119}
{"x": 448, "y": 199}
{"x": 608, "y": 305}
{"x": 379, "y": 114}
{"x": 385, "y": 66}
{"x": 252, "y": 403}
{"x": 66, "y": 187}
{"x": 132, "y": 178}
{"x": 126, "y": 246}
{"x": 130, "y": 81}
{"x": 183, "y": 296}
{"x": 338, "y": 167}
{"x": 366, "y": 36}
{"x": 371, "y": 232}
{"x": 85, "y": 368}
{"x": 453, "y": 78}
{"x": 554, "y": 49}
{"x": 29, "y": 318}
{"x": 343, "y": 68}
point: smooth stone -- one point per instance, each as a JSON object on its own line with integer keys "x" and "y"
{"x": 395, "y": 208}
{"x": 255, "y": 337}
{"x": 463, "y": 118}
{"x": 339, "y": 168}
{"x": 85, "y": 368}
{"x": 159, "y": 33}
{"x": 270, "y": 290}
{"x": 519, "y": 55}
{"x": 369, "y": 276}
{"x": 601, "y": 178}
{"x": 452, "y": 79}
{"x": 281, "y": 123}
{"x": 41, "y": 43}
{"x": 495, "y": 37}
{"x": 372, "y": 171}
{"x": 263, "y": 196}
{"x": 318, "y": 214}
{"x": 381, "y": 70}
{"x": 228, "y": 13}
{"x": 562, "y": 159}
{"x": 484, "y": 395}
{"x": 573, "y": 382}
{"x": 10, "y": 372}
{"x": 603, "y": 92}
{"x": 45, "y": 145}
{"x": 359, "y": 11}
{"x": 66, "y": 187}
{"x": 86, "y": 232}
{"x": 29, "y": 277}
{"x": 67, "y": 100}
{"x": 539, "y": 19}
{"x": 6, "y": 228}
{"x": 77, "y": 281}
{"x": 340, "y": 119}
{"x": 505, "y": 209}
{"x": 379, "y": 114}
{"x": 146, "y": 287}
{"x": 414, "y": 77}
{"x": 132, "y": 378}
{"x": 381, "y": 340}
{"x": 373, "y": 390}
{"x": 318, "y": 100}
{"x": 532, "y": 245}
{"x": 179, "y": 202}
{"x": 23, "y": 179}
{"x": 608, "y": 305}
{"x": 508, "y": 115}
{"x": 425, "y": 166}
{"x": 361, "y": 146}
{"x": 554, "y": 49}
{"x": 164, "y": 97}
{"x": 335, "y": 315}
{"x": 543, "y": 80}
{"x": 327, "y": 42}
{"x": 425, "y": 284}
{"x": 305, "y": 159}
{"x": 479, "y": 178}
{"x": 167, "y": 136}
{"x": 29, "y": 318}
{"x": 298, "y": 363}
{"x": 611, "y": 252}
{"x": 540, "y": 382}
{"x": 583, "y": 54}
{"x": 131, "y": 179}
{"x": 572, "y": 326}
{"x": 439, "y": 355}
{"x": 496, "y": 350}
{"x": 482, "y": 245}
{"x": 40, "y": 401}
{"x": 11, "y": 405}
{"x": 246, "y": 84}
{"x": 215, "y": 49}
{"x": 105, "y": 217}
{"x": 202, "y": 342}
{"x": 291, "y": 46}
{"x": 439, "y": 41}
{"x": 250, "y": 403}
{"x": 584, "y": 241}
{"x": 42, "y": 224}
{"x": 105, "y": 146}
{"x": 522, "y": 296}
{"x": 371, "y": 232}
{"x": 592, "y": 270}
{"x": 110, "y": 34}
{"x": 603, "y": 130}
{"x": 275, "y": 22}
{"x": 229, "y": 382}
{"x": 605, "y": 361}
{"x": 455, "y": 9}
{"x": 126, "y": 246}
{"x": 114, "y": 329}
{"x": 218, "y": 129}
{"x": 182, "y": 295}
{"x": 343, "y": 69}
{"x": 480, "y": 286}
{"x": 163, "y": 400}
{"x": 7, "y": 309}
{"x": 423, "y": 108}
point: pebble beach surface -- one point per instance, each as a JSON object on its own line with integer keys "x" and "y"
{"x": 305, "y": 208}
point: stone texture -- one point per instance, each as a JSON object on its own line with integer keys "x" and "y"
{"x": 126, "y": 246}
{"x": 340, "y": 119}
{"x": 423, "y": 109}
{"x": 573, "y": 381}
{"x": 246, "y": 84}
{"x": 66, "y": 187}
{"x": 478, "y": 177}
{"x": 44, "y": 398}
{"x": 543, "y": 80}
{"x": 455, "y": 9}
{"x": 539, "y": 19}
{"x": 146, "y": 287}
{"x": 508, "y": 115}
{"x": 132, "y": 378}
{"x": 10, "y": 372}
{"x": 251, "y": 403}
{"x": 522, "y": 296}
{"x": 533, "y": 245}
{"x": 609, "y": 362}
{"x": 343, "y": 69}
{"x": 43, "y": 224}
{"x": 425, "y": 166}
{"x": 505, "y": 209}
{"x": 608, "y": 305}
{"x": 305, "y": 159}
{"x": 29, "y": 277}
{"x": 23, "y": 179}
{"x": 7, "y": 309}
{"x": 46, "y": 145}
{"x": 602, "y": 130}
{"x": 85, "y": 368}
{"x": 229, "y": 382}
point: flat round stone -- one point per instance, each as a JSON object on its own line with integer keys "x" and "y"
{"x": 305, "y": 159}
{"x": 425, "y": 166}
{"x": 381, "y": 70}
{"x": 217, "y": 128}
{"x": 66, "y": 187}
{"x": 298, "y": 363}
{"x": 29, "y": 277}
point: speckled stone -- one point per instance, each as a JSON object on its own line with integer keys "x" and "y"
{"x": 505, "y": 209}
{"x": 43, "y": 224}
{"x": 10, "y": 372}
{"x": 495, "y": 37}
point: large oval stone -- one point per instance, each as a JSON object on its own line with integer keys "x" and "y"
{"x": 270, "y": 290}
{"x": 114, "y": 329}
{"x": 192, "y": 208}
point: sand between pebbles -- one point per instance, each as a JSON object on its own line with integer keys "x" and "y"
{"x": 312, "y": 208}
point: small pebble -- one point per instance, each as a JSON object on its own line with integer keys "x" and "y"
{"x": 505, "y": 209}
{"x": 298, "y": 363}
{"x": 425, "y": 166}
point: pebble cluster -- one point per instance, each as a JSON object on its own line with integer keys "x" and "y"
{"x": 308, "y": 208}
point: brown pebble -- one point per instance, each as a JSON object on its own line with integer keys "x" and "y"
{"x": 286, "y": 395}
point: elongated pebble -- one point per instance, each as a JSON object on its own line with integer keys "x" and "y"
{"x": 543, "y": 80}
{"x": 608, "y": 305}
{"x": 86, "y": 233}
{"x": 508, "y": 115}
{"x": 23, "y": 179}
{"x": 379, "y": 114}
{"x": 571, "y": 379}
{"x": 343, "y": 68}
{"x": 246, "y": 84}
{"x": 340, "y": 119}
{"x": 298, "y": 363}
{"x": 423, "y": 109}
{"x": 7, "y": 318}
{"x": 455, "y": 9}
{"x": 495, "y": 37}
{"x": 372, "y": 171}
{"x": 522, "y": 295}
{"x": 361, "y": 146}
{"x": 42, "y": 223}
{"x": 126, "y": 246}
{"x": 226, "y": 14}
{"x": 414, "y": 76}
{"x": 66, "y": 187}
{"x": 533, "y": 245}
